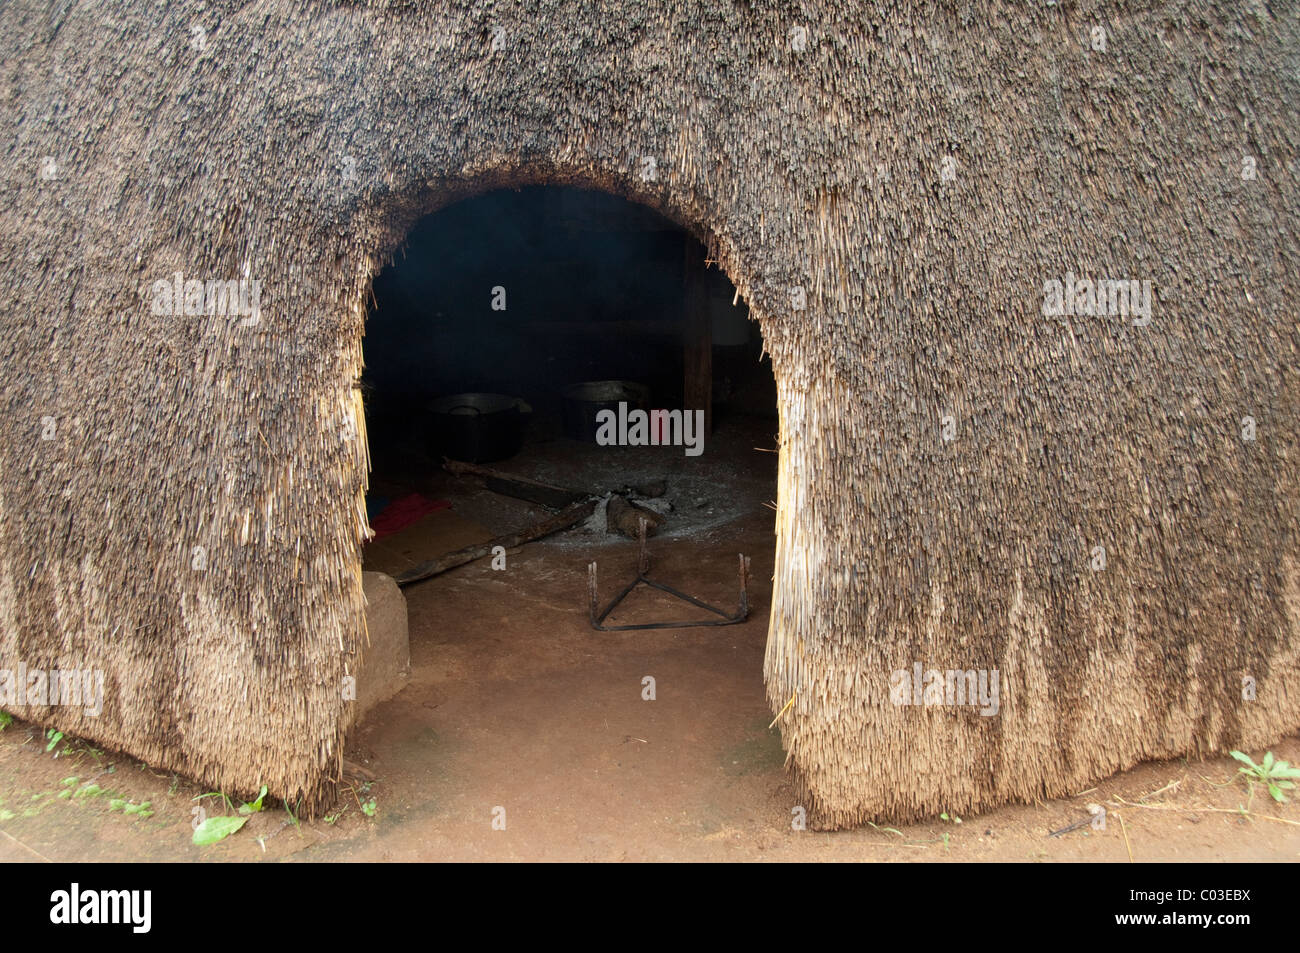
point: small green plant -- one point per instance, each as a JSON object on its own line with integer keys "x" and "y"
{"x": 950, "y": 818}
{"x": 6, "y": 720}
{"x": 54, "y": 737}
{"x": 128, "y": 807}
{"x": 255, "y": 806}
{"x": 368, "y": 808}
{"x": 217, "y": 829}
{"x": 214, "y": 829}
{"x": 1274, "y": 774}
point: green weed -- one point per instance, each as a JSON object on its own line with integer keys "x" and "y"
{"x": 1275, "y": 775}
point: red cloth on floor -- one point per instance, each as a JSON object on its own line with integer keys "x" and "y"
{"x": 402, "y": 512}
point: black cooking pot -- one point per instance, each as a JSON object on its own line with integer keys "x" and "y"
{"x": 477, "y": 428}
{"x": 583, "y": 401}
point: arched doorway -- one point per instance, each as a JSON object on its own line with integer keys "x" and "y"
{"x": 512, "y": 324}
{"x": 522, "y": 304}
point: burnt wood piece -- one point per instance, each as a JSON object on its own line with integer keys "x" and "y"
{"x": 521, "y": 488}
{"x": 545, "y": 496}
{"x": 624, "y": 517}
{"x": 563, "y": 520}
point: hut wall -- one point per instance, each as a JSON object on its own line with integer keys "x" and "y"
{"x": 888, "y": 185}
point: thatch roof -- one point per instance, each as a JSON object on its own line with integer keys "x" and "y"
{"x": 295, "y": 143}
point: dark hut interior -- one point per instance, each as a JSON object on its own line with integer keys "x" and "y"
{"x": 504, "y": 326}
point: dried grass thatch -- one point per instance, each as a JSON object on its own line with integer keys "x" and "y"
{"x": 917, "y": 171}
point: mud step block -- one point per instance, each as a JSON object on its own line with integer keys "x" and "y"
{"x": 386, "y": 664}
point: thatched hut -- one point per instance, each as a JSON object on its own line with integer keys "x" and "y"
{"x": 980, "y": 469}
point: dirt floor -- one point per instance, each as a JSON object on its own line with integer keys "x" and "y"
{"x": 517, "y": 711}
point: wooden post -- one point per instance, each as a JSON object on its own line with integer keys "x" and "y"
{"x": 697, "y": 333}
